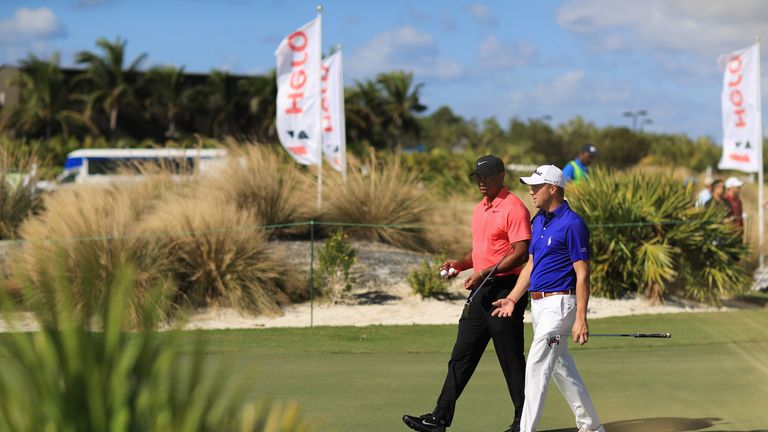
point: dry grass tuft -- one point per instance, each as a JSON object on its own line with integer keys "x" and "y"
{"x": 221, "y": 256}
{"x": 261, "y": 181}
{"x": 18, "y": 199}
{"x": 380, "y": 194}
{"x": 86, "y": 234}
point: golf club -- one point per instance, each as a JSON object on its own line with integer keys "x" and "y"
{"x": 662, "y": 335}
{"x": 496, "y": 267}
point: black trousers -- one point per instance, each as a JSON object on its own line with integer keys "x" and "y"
{"x": 476, "y": 328}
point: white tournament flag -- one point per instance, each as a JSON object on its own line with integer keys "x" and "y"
{"x": 334, "y": 137}
{"x": 298, "y": 93}
{"x": 742, "y": 130}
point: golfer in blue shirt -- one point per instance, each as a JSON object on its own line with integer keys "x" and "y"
{"x": 557, "y": 279}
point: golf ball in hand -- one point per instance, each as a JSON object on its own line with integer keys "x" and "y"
{"x": 443, "y": 273}
{"x": 452, "y": 271}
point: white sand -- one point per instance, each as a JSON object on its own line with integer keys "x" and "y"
{"x": 408, "y": 310}
{"x": 398, "y": 307}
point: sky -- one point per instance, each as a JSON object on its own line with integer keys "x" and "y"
{"x": 547, "y": 59}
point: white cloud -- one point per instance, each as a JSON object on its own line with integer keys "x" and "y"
{"x": 701, "y": 26}
{"x": 495, "y": 54}
{"x": 570, "y": 92}
{"x": 482, "y": 13}
{"x": 31, "y": 25}
{"x": 403, "y": 48}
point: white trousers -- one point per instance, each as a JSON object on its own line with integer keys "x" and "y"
{"x": 553, "y": 319}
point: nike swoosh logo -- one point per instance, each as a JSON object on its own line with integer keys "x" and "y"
{"x": 426, "y": 423}
{"x": 480, "y": 163}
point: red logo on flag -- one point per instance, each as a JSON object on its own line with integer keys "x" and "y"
{"x": 300, "y": 150}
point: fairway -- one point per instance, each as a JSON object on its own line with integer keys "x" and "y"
{"x": 711, "y": 376}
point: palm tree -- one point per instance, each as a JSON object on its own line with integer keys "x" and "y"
{"x": 167, "y": 95}
{"x": 43, "y": 99}
{"x": 261, "y": 93}
{"x": 219, "y": 98}
{"x": 110, "y": 84}
{"x": 364, "y": 110}
{"x": 401, "y": 103}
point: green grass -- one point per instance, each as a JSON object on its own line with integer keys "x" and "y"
{"x": 711, "y": 376}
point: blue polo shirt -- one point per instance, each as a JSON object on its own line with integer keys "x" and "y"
{"x": 558, "y": 239}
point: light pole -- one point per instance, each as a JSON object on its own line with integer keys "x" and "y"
{"x": 645, "y": 121}
{"x": 635, "y": 115}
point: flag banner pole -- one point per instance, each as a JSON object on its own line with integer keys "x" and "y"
{"x": 760, "y": 180}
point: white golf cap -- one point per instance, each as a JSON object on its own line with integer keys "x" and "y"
{"x": 731, "y": 182}
{"x": 548, "y": 174}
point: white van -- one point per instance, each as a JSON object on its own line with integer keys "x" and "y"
{"x": 110, "y": 165}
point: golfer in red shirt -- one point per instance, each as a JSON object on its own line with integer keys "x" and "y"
{"x": 501, "y": 233}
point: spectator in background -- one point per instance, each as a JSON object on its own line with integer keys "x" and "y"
{"x": 733, "y": 197}
{"x": 718, "y": 198}
{"x": 706, "y": 194}
{"x": 577, "y": 170}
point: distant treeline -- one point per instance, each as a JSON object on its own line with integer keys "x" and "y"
{"x": 112, "y": 101}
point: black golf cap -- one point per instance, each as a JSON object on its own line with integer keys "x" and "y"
{"x": 488, "y": 165}
{"x": 589, "y": 148}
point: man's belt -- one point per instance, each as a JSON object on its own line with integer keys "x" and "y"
{"x": 538, "y": 295}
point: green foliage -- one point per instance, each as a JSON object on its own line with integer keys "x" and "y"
{"x": 681, "y": 151}
{"x": 74, "y": 375}
{"x": 426, "y": 281}
{"x": 647, "y": 237}
{"x": 336, "y": 257}
{"x": 445, "y": 171}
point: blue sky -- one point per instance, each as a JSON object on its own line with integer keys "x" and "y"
{"x": 502, "y": 58}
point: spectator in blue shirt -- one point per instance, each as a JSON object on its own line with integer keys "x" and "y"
{"x": 557, "y": 279}
{"x": 578, "y": 169}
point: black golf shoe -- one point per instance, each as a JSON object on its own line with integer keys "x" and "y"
{"x": 515, "y": 426}
{"x": 425, "y": 423}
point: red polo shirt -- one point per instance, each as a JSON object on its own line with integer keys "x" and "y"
{"x": 495, "y": 226}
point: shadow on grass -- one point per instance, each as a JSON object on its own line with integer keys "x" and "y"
{"x": 660, "y": 424}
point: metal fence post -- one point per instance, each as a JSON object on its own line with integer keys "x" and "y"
{"x": 311, "y": 273}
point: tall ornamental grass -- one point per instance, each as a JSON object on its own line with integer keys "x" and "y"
{"x": 86, "y": 232}
{"x": 376, "y": 194}
{"x": 220, "y": 256}
{"x": 647, "y": 237}
{"x": 18, "y": 197}
{"x": 263, "y": 182}
{"x": 81, "y": 374}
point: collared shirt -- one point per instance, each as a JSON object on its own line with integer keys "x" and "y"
{"x": 495, "y": 226}
{"x": 559, "y": 239}
{"x": 736, "y": 209}
{"x": 572, "y": 173}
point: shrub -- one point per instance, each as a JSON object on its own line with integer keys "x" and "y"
{"x": 426, "y": 281}
{"x": 220, "y": 255}
{"x": 18, "y": 199}
{"x": 261, "y": 181}
{"x": 335, "y": 259}
{"x": 86, "y": 232}
{"x": 381, "y": 202}
{"x": 70, "y": 376}
{"x": 647, "y": 237}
